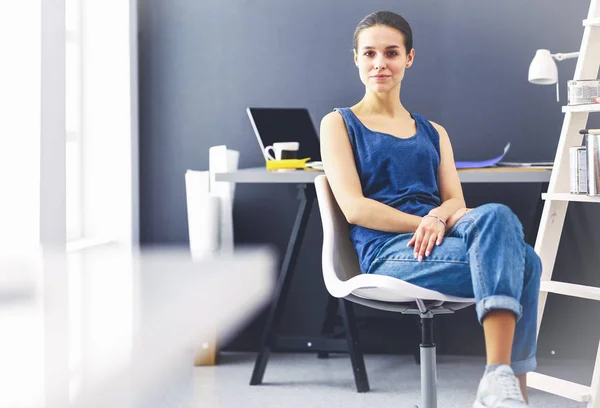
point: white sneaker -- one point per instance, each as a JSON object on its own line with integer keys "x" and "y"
{"x": 499, "y": 389}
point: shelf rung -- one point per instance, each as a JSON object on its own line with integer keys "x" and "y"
{"x": 553, "y": 385}
{"x": 592, "y": 22}
{"x": 570, "y": 289}
{"x": 592, "y": 107}
{"x": 570, "y": 197}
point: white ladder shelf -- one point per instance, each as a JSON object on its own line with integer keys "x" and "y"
{"x": 555, "y": 208}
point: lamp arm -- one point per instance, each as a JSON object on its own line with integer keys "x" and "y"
{"x": 563, "y": 56}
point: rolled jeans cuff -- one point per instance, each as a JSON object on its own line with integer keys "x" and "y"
{"x": 524, "y": 366}
{"x": 498, "y": 302}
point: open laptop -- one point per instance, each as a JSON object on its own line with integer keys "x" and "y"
{"x": 272, "y": 125}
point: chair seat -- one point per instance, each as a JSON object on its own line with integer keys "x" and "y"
{"x": 388, "y": 289}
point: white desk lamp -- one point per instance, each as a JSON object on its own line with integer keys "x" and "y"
{"x": 543, "y": 70}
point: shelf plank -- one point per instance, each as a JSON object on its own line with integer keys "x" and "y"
{"x": 570, "y": 197}
{"x": 567, "y": 389}
{"x": 592, "y": 22}
{"x": 570, "y": 289}
{"x": 594, "y": 107}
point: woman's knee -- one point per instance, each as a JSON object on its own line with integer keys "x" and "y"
{"x": 501, "y": 213}
{"x": 533, "y": 263}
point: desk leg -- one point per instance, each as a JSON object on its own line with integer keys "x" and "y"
{"x": 306, "y": 195}
{"x": 532, "y": 236}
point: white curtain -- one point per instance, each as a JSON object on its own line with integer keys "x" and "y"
{"x": 32, "y": 191}
{"x": 33, "y": 349}
{"x": 20, "y": 122}
{"x": 110, "y": 149}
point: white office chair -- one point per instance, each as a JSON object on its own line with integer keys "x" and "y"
{"x": 343, "y": 279}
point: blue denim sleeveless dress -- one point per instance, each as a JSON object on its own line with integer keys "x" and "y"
{"x": 399, "y": 172}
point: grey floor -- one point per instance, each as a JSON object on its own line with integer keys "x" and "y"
{"x": 302, "y": 380}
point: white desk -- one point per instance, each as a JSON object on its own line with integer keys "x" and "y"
{"x": 486, "y": 175}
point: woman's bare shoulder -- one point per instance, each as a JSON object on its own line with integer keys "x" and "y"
{"x": 333, "y": 117}
{"x": 441, "y": 130}
{"x": 437, "y": 126}
{"x": 333, "y": 120}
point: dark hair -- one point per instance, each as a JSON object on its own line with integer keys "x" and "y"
{"x": 385, "y": 18}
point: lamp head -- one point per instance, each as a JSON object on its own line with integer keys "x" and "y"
{"x": 543, "y": 70}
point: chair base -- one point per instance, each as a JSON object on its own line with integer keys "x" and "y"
{"x": 428, "y": 359}
{"x": 427, "y": 352}
{"x": 428, "y": 377}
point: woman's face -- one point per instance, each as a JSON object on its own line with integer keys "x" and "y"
{"x": 381, "y": 58}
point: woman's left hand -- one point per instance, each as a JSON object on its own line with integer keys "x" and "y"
{"x": 455, "y": 217}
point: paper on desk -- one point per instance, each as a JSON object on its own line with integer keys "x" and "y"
{"x": 484, "y": 163}
{"x": 203, "y": 211}
{"x": 547, "y": 164}
{"x": 222, "y": 160}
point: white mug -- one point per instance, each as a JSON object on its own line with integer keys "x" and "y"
{"x": 283, "y": 150}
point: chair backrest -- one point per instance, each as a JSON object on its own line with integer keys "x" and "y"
{"x": 340, "y": 262}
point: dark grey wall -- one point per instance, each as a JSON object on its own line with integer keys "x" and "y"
{"x": 203, "y": 62}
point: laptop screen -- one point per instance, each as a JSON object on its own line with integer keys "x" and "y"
{"x": 272, "y": 125}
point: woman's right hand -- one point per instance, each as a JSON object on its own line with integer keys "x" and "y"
{"x": 451, "y": 222}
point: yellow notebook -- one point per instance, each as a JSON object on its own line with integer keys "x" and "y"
{"x": 287, "y": 164}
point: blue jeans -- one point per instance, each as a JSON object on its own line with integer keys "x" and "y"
{"x": 484, "y": 256}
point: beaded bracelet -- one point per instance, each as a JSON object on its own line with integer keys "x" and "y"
{"x": 437, "y": 218}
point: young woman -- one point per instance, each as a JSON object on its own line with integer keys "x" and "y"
{"x": 393, "y": 174}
